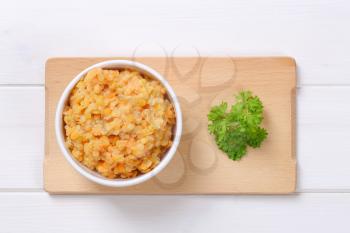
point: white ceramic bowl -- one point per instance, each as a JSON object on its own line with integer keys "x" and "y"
{"x": 92, "y": 175}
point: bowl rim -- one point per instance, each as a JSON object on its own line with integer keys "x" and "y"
{"x": 93, "y": 175}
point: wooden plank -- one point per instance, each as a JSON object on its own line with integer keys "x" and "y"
{"x": 21, "y": 136}
{"x": 199, "y": 167}
{"x": 39, "y": 212}
{"x": 311, "y": 31}
{"x": 322, "y": 133}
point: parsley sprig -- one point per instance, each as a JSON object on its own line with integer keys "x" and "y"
{"x": 238, "y": 128}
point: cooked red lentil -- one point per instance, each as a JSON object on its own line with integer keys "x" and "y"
{"x": 118, "y": 122}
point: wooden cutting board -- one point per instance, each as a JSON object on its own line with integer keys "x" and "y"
{"x": 198, "y": 167}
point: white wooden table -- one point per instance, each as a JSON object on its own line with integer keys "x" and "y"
{"x": 315, "y": 32}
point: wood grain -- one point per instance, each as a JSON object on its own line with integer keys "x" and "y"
{"x": 237, "y": 28}
{"x": 206, "y": 170}
{"x": 314, "y": 32}
{"x": 21, "y": 137}
{"x": 39, "y": 212}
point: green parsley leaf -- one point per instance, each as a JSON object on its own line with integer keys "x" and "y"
{"x": 238, "y": 128}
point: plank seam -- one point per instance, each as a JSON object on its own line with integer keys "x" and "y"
{"x": 305, "y": 191}
{"x": 298, "y": 86}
